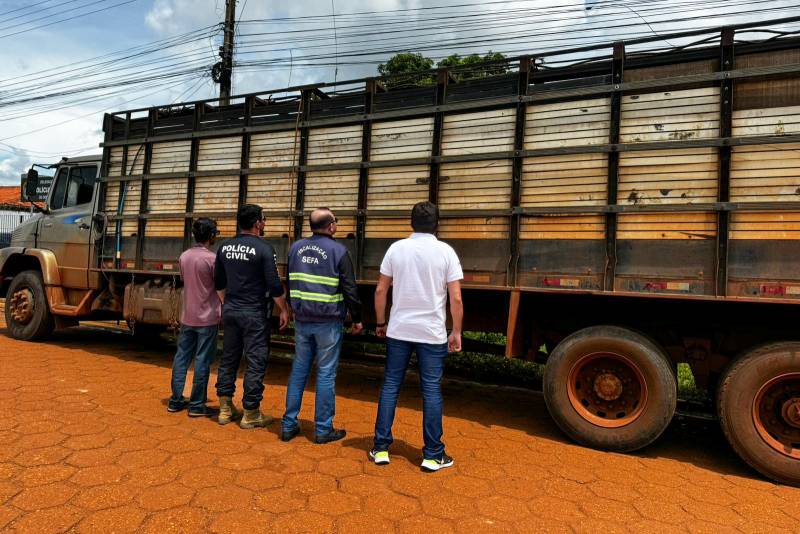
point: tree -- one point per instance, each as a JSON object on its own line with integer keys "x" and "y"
{"x": 468, "y": 67}
{"x": 404, "y": 63}
{"x": 471, "y": 66}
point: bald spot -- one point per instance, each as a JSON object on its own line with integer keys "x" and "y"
{"x": 318, "y": 217}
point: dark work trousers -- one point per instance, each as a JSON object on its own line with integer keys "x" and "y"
{"x": 246, "y": 334}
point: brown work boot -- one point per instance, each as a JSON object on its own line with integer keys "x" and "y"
{"x": 227, "y": 411}
{"x": 254, "y": 419}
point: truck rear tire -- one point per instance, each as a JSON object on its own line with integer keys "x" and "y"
{"x": 610, "y": 388}
{"x": 758, "y": 402}
{"x": 27, "y": 313}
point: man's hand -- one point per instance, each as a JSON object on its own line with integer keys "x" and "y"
{"x": 284, "y": 319}
{"x": 380, "y": 331}
{"x": 454, "y": 342}
{"x": 357, "y": 328}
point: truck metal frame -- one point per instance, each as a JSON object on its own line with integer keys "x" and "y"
{"x": 628, "y": 210}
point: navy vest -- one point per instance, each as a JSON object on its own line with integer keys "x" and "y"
{"x": 314, "y": 288}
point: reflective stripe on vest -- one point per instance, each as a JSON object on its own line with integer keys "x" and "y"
{"x": 316, "y": 297}
{"x": 314, "y": 279}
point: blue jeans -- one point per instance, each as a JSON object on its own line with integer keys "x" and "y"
{"x": 198, "y": 343}
{"x": 431, "y": 368}
{"x": 321, "y": 342}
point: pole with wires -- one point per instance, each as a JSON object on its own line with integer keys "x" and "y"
{"x": 223, "y": 71}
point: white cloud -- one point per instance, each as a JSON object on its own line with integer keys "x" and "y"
{"x": 166, "y": 18}
{"x": 161, "y": 17}
{"x": 12, "y": 165}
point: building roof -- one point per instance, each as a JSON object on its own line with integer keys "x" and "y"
{"x": 9, "y": 198}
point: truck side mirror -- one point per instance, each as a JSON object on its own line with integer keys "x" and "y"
{"x": 30, "y": 183}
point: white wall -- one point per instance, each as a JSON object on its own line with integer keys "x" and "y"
{"x": 8, "y": 221}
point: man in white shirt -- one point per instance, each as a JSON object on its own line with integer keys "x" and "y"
{"x": 423, "y": 271}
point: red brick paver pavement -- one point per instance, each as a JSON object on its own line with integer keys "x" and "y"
{"x": 86, "y": 445}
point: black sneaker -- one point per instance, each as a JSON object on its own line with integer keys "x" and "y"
{"x": 291, "y": 434}
{"x": 434, "y": 464}
{"x": 333, "y": 435}
{"x": 205, "y": 411}
{"x": 178, "y": 406}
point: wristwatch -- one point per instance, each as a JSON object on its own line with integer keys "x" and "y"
{"x": 379, "y": 325}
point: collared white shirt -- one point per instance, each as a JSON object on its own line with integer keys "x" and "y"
{"x": 420, "y": 266}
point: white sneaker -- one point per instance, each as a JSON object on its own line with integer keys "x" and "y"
{"x": 379, "y": 457}
{"x": 431, "y": 464}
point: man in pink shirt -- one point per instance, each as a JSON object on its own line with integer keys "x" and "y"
{"x": 199, "y": 321}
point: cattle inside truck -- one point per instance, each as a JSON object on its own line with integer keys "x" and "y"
{"x": 629, "y": 211}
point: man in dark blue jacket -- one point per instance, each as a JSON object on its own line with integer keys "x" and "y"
{"x": 245, "y": 270}
{"x": 322, "y": 289}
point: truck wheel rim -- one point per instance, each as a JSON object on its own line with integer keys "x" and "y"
{"x": 776, "y": 414}
{"x": 22, "y": 306}
{"x": 607, "y": 389}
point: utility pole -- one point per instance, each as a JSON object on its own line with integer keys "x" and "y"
{"x": 223, "y": 70}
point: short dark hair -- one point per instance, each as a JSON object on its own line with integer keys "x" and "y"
{"x": 322, "y": 220}
{"x": 248, "y": 215}
{"x": 425, "y": 217}
{"x": 204, "y": 229}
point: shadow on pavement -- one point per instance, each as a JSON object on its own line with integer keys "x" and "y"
{"x": 690, "y": 440}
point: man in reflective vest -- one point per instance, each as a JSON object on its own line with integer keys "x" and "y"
{"x": 322, "y": 289}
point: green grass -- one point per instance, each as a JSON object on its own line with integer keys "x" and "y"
{"x": 687, "y": 387}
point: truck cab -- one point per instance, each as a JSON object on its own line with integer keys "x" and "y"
{"x": 45, "y": 274}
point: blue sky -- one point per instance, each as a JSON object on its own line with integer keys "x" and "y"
{"x": 43, "y": 130}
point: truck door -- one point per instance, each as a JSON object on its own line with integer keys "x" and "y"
{"x": 66, "y": 228}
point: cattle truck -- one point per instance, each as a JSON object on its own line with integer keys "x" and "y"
{"x": 626, "y": 206}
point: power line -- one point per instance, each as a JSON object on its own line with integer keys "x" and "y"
{"x": 37, "y": 130}
{"x": 472, "y": 41}
{"x": 28, "y": 6}
{"x": 68, "y": 19}
{"x": 153, "y": 46}
{"x": 3, "y": 21}
{"x": 134, "y": 70}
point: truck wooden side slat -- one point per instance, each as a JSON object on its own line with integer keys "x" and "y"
{"x": 216, "y": 193}
{"x": 167, "y": 196}
{"x": 670, "y": 115}
{"x": 569, "y": 180}
{"x": 334, "y": 145}
{"x": 577, "y": 123}
{"x": 219, "y": 153}
{"x": 466, "y": 145}
{"x": 274, "y": 149}
{"x": 667, "y": 182}
{"x": 473, "y": 133}
{"x": 563, "y": 227}
{"x": 271, "y": 191}
{"x": 397, "y": 187}
{"x": 667, "y": 226}
{"x": 475, "y": 185}
{"x": 405, "y": 139}
{"x": 332, "y": 189}
{"x": 130, "y": 206}
{"x": 388, "y": 228}
{"x": 169, "y": 157}
{"x": 765, "y": 173}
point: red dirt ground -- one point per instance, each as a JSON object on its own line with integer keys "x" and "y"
{"x": 86, "y": 445}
